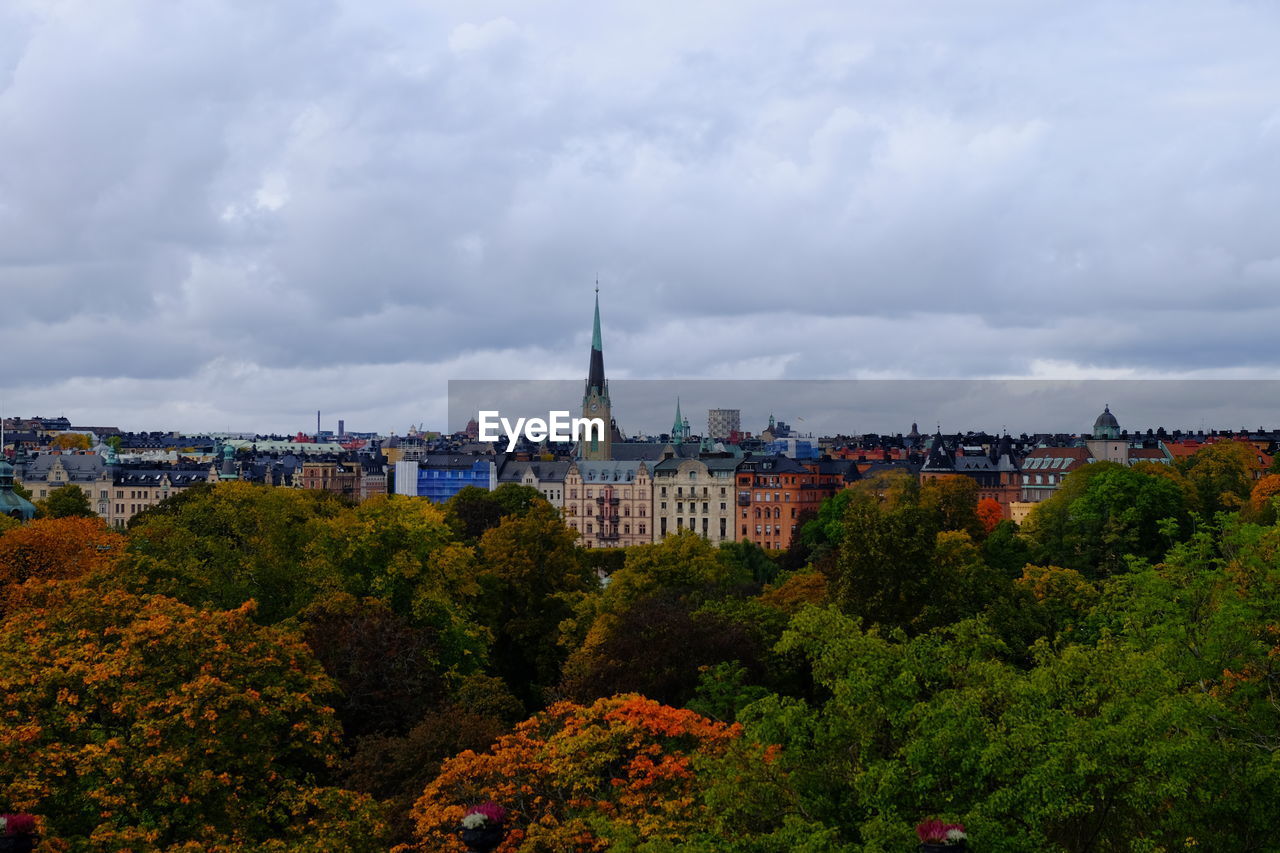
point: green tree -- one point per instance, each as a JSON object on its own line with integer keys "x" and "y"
{"x": 1103, "y": 514}
{"x": 222, "y": 545}
{"x": 473, "y": 510}
{"x": 69, "y": 501}
{"x": 529, "y": 573}
{"x": 883, "y": 570}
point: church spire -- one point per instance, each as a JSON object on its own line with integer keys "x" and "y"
{"x": 677, "y": 429}
{"x": 595, "y": 373}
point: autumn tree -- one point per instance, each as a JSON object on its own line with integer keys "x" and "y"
{"x": 69, "y": 501}
{"x": 68, "y": 441}
{"x": 575, "y": 778}
{"x": 53, "y": 548}
{"x": 990, "y": 514}
{"x": 1262, "y": 506}
{"x": 136, "y": 722}
{"x": 1221, "y": 475}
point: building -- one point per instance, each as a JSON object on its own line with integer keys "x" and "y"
{"x": 595, "y": 399}
{"x": 996, "y": 471}
{"x": 610, "y": 504}
{"x": 1106, "y": 443}
{"x": 722, "y": 424}
{"x": 331, "y": 475}
{"x": 695, "y": 494}
{"x": 775, "y": 494}
{"x": 438, "y": 476}
{"x": 546, "y": 477}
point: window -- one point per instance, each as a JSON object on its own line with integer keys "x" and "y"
{"x": 642, "y": 529}
{"x": 723, "y": 506}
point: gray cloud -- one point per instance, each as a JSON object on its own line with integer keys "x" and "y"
{"x": 230, "y": 214}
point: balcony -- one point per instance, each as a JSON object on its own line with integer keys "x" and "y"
{"x": 744, "y": 500}
{"x": 609, "y": 533}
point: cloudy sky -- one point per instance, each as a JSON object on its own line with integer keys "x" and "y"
{"x": 226, "y": 215}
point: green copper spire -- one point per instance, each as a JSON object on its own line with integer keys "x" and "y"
{"x": 595, "y": 373}
{"x": 677, "y": 429}
{"x": 595, "y": 332}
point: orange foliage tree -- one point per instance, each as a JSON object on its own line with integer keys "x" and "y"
{"x": 138, "y": 723}
{"x": 52, "y": 548}
{"x": 990, "y": 514}
{"x": 577, "y": 778}
{"x": 1260, "y": 507}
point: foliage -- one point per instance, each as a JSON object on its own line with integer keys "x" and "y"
{"x": 395, "y": 770}
{"x": 69, "y": 501}
{"x": 68, "y": 441}
{"x": 1262, "y": 504}
{"x": 1102, "y": 514}
{"x": 528, "y": 572}
{"x": 222, "y": 545}
{"x": 955, "y": 501}
{"x": 990, "y": 514}
{"x": 53, "y": 548}
{"x": 473, "y": 510}
{"x": 388, "y": 670}
{"x": 136, "y": 722}
{"x": 657, "y": 647}
{"x": 885, "y": 560}
{"x": 573, "y": 778}
{"x": 1220, "y": 475}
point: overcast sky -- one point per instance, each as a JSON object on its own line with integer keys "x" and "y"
{"x": 228, "y": 215}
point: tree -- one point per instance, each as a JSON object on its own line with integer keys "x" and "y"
{"x": 576, "y": 778}
{"x": 389, "y": 671}
{"x": 1221, "y": 475}
{"x": 144, "y": 724}
{"x": 1103, "y": 514}
{"x": 1092, "y": 748}
{"x": 990, "y": 514}
{"x": 68, "y": 441}
{"x": 473, "y": 510}
{"x": 683, "y": 563}
{"x": 529, "y": 571}
{"x": 955, "y": 499}
{"x": 1262, "y": 507}
{"x": 54, "y": 548}
{"x": 222, "y": 545}
{"x": 67, "y": 501}
{"x": 657, "y": 647}
{"x": 882, "y": 573}
{"x": 396, "y": 769}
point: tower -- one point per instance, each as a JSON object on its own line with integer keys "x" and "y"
{"x": 679, "y": 429}
{"x": 595, "y": 399}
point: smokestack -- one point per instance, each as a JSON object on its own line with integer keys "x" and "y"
{"x": 317, "y": 424}
{"x": 342, "y": 427}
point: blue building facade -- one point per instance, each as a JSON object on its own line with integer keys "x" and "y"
{"x": 439, "y": 477}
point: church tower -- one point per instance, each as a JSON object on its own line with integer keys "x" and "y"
{"x": 595, "y": 399}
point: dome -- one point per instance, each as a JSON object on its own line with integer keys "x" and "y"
{"x": 1106, "y": 426}
{"x": 1106, "y": 419}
